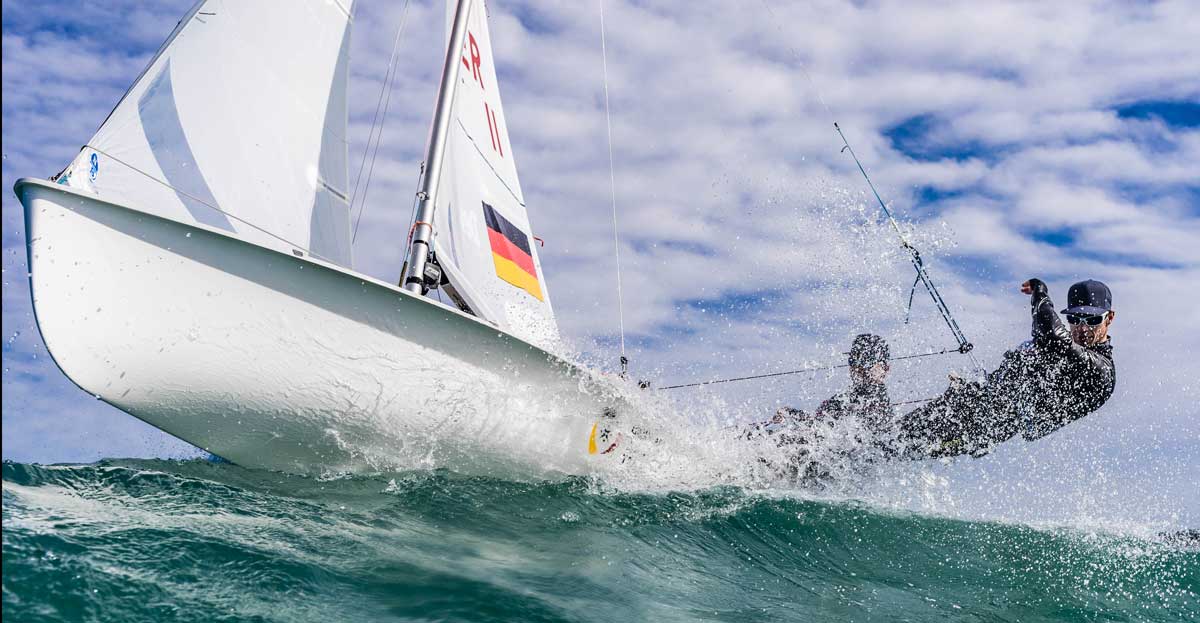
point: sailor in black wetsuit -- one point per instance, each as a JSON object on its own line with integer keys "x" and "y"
{"x": 867, "y": 399}
{"x": 1054, "y": 379}
{"x": 863, "y": 411}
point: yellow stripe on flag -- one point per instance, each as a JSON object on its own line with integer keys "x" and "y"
{"x": 509, "y": 271}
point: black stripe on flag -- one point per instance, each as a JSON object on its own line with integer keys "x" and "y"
{"x": 499, "y": 224}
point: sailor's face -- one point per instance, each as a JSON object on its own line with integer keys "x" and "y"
{"x": 876, "y": 373}
{"x": 1086, "y": 334}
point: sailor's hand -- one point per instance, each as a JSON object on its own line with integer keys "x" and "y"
{"x": 1034, "y": 286}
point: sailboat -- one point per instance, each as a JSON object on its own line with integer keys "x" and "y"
{"x": 192, "y": 266}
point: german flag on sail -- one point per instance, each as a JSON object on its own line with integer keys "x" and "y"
{"x": 510, "y": 252}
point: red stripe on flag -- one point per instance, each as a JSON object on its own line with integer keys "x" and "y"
{"x": 505, "y": 248}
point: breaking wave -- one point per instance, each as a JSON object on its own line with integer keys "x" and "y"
{"x": 149, "y": 540}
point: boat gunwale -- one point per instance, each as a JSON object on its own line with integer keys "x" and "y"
{"x": 22, "y": 185}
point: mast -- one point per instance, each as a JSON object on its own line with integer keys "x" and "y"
{"x": 413, "y": 278}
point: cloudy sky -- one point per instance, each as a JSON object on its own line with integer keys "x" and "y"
{"x": 1059, "y": 140}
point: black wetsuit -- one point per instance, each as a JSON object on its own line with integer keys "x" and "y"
{"x": 1037, "y": 389}
{"x": 866, "y": 402}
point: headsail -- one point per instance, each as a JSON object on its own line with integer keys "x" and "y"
{"x": 482, "y": 234}
{"x": 238, "y": 123}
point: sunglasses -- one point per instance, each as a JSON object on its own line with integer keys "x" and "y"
{"x": 1091, "y": 320}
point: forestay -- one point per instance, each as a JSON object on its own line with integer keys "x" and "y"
{"x": 482, "y": 235}
{"x": 239, "y": 123}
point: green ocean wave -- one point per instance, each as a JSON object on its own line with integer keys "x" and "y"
{"x": 177, "y": 541}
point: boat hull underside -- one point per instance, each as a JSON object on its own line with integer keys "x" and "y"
{"x": 281, "y": 362}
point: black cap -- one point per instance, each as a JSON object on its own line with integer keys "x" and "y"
{"x": 1088, "y": 297}
{"x": 868, "y": 349}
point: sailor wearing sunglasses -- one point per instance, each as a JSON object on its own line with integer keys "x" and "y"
{"x": 1050, "y": 381}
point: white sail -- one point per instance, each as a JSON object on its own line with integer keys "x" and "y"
{"x": 482, "y": 234}
{"x": 238, "y": 123}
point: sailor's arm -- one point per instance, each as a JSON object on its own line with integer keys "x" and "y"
{"x": 834, "y": 407}
{"x": 1048, "y": 329}
{"x": 1050, "y": 334}
{"x": 1093, "y": 371}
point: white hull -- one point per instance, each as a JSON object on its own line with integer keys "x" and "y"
{"x": 288, "y": 363}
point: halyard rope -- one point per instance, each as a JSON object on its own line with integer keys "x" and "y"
{"x": 389, "y": 78}
{"x": 612, "y": 180}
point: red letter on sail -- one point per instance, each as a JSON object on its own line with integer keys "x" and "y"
{"x": 475, "y": 59}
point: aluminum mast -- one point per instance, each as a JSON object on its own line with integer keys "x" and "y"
{"x": 418, "y": 250}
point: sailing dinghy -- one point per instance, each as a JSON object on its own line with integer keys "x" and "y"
{"x": 192, "y": 266}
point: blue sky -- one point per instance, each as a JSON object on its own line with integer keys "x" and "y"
{"x": 1013, "y": 139}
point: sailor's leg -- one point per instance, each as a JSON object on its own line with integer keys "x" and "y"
{"x": 948, "y": 425}
{"x": 968, "y": 418}
{"x": 1011, "y": 388}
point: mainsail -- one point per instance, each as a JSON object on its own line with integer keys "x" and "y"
{"x": 482, "y": 235}
{"x": 238, "y": 123}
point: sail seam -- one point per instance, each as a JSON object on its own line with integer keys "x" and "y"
{"x": 489, "y": 164}
{"x": 201, "y": 201}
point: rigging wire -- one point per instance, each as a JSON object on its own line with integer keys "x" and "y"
{"x": 381, "y": 108}
{"x": 612, "y": 180}
{"x": 945, "y": 351}
{"x": 964, "y": 345}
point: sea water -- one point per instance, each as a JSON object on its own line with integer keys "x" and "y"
{"x": 195, "y": 540}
